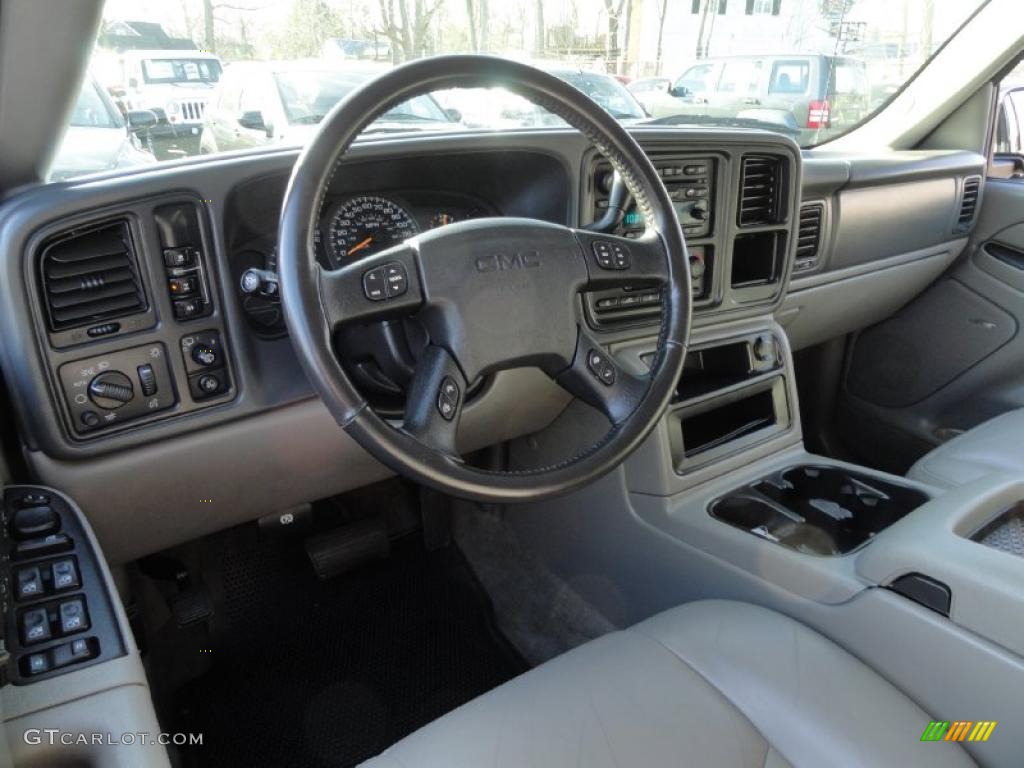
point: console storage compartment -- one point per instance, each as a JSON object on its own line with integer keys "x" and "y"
{"x": 1005, "y": 532}
{"x": 817, "y": 509}
{"x": 729, "y": 421}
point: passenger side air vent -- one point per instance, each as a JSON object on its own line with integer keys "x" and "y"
{"x": 968, "y": 204}
{"x": 91, "y": 275}
{"x": 760, "y": 184}
{"x": 808, "y": 244}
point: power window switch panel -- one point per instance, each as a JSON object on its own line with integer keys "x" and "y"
{"x": 35, "y": 626}
{"x": 29, "y": 583}
{"x": 73, "y": 616}
{"x": 64, "y": 575}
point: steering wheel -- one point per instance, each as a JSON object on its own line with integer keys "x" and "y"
{"x": 491, "y": 294}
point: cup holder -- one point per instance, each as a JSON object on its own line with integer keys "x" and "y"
{"x": 818, "y": 510}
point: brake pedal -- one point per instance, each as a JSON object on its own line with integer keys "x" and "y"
{"x": 191, "y": 606}
{"x": 348, "y": 547}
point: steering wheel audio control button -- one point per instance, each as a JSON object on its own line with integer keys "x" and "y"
{"x": 448, "y": 398}
{"x": 374, "y": 285}
{"x": 396, "y": 281}
{"x": 602, "y": 369}
{"x": 611, "y": 255}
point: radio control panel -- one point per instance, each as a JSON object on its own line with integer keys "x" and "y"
{"x": 691, "y": 186}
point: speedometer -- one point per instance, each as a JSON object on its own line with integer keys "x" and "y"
{"x": 364, "y": 225}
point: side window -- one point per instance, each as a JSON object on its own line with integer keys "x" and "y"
{"x": 1007, "y": 158}
{"x": 696, "y": 79}
{"x": 1015, "y": 104}
{"x": 790, "y": 77}
{"x": 741, "y": 77}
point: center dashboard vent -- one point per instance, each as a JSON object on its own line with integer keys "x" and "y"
{"x": 91, "y": 275}
{"x": 968, "y": 204}
{"x": 808, "y": 246}
{"x": 760, "y": 188}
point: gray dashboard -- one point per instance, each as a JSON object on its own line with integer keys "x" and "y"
{"x": 151, "y": 471}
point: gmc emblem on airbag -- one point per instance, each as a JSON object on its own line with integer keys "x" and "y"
{"x": 501, "y": 262}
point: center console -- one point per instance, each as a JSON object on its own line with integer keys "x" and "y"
{"x": 817, "y": 509}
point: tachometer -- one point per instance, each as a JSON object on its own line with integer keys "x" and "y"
{"x": 364, "y": 225}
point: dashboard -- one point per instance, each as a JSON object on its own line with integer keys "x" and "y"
{"x": 179, "y": 384}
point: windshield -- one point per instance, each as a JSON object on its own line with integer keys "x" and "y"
{"x": 306, "y": 96}
{"x": 810, "y": 69}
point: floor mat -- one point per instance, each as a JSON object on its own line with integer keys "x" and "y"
{"x": 331, "y": 673}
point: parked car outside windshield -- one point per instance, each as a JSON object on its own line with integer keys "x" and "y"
{"x": 97, "y": 138}
{"x": 264, "y": 103}
{"x": 812, "y": 70}
{"x": 497, "y": 108}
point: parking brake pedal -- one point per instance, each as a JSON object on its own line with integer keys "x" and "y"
{"x": 348, "y": 547}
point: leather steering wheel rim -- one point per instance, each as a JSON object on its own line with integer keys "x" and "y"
{"x": 316, "y": 301}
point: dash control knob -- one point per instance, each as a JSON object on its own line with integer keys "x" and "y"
{"x": 111, "y": 389}
{"x": 699, "y": 210}
{"x": 205, "y": 355}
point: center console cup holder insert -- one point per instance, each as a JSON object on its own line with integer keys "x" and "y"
{"x": 818, "y": 510}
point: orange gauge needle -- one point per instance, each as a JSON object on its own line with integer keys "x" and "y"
{"x": 359, "y": 246}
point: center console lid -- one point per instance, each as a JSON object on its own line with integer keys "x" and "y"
{"x": 963, "y": 540}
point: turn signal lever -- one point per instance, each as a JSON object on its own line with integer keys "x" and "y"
{"x": 262, "y": 281}
{"x": 618, "y": 200}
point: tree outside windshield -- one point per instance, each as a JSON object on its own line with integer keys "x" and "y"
{"x": 811, "y": 69}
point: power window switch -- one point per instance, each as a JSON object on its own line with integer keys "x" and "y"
{"x": 35, "y": 626}
{"x": 35, "y": 664}
{"x": 29, "y": 583}
{"x": 73, "y": 617}
{"x": 64, "y": 575}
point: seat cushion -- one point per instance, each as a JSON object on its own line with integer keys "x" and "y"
{"x": 993, "y": 446}
{"x": 712, "y": 683}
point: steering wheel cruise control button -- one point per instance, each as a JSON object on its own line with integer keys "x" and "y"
{"x": 602, "y": 369}
{"x": 374, "y": 285}
{"x": 611, "y": 255}
{"x": 448, "y": 398}
{"x": 396, "y": 281}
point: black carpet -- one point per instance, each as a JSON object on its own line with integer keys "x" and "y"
{"x": 312, "y": 673}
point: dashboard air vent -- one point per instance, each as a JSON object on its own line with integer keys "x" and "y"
{"x": 760, "y": 183}
{"x": 808, "y": 245}
{"x": 968, "y": 204}
{"x": 90, "y": 275}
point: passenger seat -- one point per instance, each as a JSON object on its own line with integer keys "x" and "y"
{"x": 996, "y": 445}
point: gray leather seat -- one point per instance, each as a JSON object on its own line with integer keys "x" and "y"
{"x": 996, "y": 445}
{"x": 711, "y": 683}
